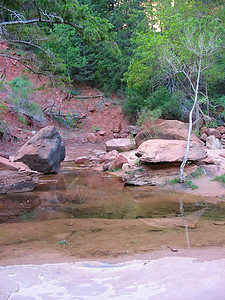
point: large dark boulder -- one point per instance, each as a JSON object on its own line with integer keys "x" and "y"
{"x": 43, "y": 152}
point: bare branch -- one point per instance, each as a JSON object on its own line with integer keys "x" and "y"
{"x": 28, "y": 44}
{"x": 19, "y": 16}
{"x": 27, "y": 66}
{"x": 38, "y": 10}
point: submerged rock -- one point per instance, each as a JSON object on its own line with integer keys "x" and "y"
{"x": 43, "y": 152}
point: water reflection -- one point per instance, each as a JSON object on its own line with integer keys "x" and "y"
{"x": 96, "y": 212}
{"x": 77, "y": 193}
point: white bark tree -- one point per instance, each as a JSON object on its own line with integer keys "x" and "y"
{"x": 201, "y": 44}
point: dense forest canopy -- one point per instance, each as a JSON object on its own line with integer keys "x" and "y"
{"x": 146, "y": 50}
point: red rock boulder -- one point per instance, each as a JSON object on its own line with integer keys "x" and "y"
{"x": 157, "y": 151}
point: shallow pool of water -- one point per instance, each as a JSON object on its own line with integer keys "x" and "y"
{"x": 91, "y": 211}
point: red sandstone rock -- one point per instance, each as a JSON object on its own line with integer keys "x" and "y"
{"x": 16, "y": 177}
{"x": 43, "y": 152}
{"x": 157, "y": 150}
{"x": 118, "y": 162}
{"x": 221, "y": 129}
{"x": 215, "y": 132}
{"x": 92, "y": 138}
{"x": 81, "y": 160}
{"x": 166, "y": 129}
{"x": 213, "y": 143}
{"x": 119, "y": 145}
{"x": 203, "y": 137}
{"x": 108, "y": 157}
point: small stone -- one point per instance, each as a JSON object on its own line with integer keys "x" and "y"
{"x": 92, "y": 138}
{"x": 191, "y": 226}
{"x": 219, "y": 223}
{"x": 174, "y": 249}
{"x": 70, "y": 224}
{"x": 101, "y": 132}
{"x": 81, "y": 159}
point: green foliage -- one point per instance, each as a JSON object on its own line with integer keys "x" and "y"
{"x": 162, "y": 55}
{"x": 188, "y": 183}
{"x": 219, "y": 104}
{"x": 220, "y": 178}
{"x": 22, "y": 119}
{"x": 21, "y": 97}
{"x": 138, "y": 163}
{"x": 172, "y": 181}
{"x": 94, "y": 129}
{"x": 2, "y": 111}
{"x": 198, "y": 173}
{"x": 114, "y": 169}
{"x": 191, "y": 184}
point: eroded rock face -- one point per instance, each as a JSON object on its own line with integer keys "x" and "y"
{"x": 158, "y": 151}
{"x": 16, "y": 177}
{"x": 166, "y": 129}
{"x": 119, "y": 145}
{"x": 43, "y": 152}
{"x": 154, "y": 174}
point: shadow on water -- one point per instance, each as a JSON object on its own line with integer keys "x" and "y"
{"x": 83, "y": 194}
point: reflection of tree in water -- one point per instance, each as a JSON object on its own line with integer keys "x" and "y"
{"x": 191, "y": 219}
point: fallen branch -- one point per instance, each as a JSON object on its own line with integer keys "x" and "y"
{"x": 87, "y": 97}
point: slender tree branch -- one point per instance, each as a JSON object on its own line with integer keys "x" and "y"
{"x": 26, "y": 66}
{"x": 32, "y": 21}
{"x": 28, "y": 44}
{"x": 38, "y": 10}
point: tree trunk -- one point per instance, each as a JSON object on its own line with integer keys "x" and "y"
{"x": 190, "y": 123}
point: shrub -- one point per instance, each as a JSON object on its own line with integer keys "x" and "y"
{"x": 21, "y": 93}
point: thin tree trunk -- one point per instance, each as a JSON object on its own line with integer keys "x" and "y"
{"x": 190, "y": 123}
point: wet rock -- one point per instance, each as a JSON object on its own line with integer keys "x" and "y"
{"x": 43, "y": 152}
{"x": 165, "y": 129}
{"x": 213, "y": 143}
{"x": 121, "y": 145}
{"x": 16, "y": 177}
{"x": 92, "y": 138}
{"x": 157, "y": 151}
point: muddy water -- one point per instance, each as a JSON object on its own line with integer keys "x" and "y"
{"x": 85, "y": 214}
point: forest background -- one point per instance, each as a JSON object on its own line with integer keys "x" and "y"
{"x": 147, "y": 52}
